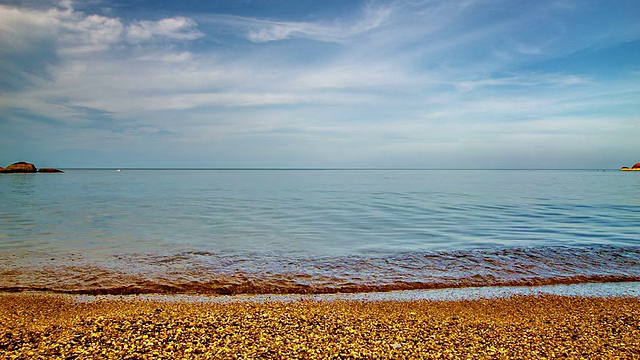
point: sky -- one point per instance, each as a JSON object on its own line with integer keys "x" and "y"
{"x": 306, "y": 84}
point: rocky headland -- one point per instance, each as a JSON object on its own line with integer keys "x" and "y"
{"x": 25, "y": 167}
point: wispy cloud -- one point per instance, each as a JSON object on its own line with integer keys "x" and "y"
{"x": 338, "y": 31}
{"x": 523, "y": 80}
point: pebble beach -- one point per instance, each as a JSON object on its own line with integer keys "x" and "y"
{"x": 545, "y": 326}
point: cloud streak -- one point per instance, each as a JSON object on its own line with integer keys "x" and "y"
{"x": 265, "y": 31}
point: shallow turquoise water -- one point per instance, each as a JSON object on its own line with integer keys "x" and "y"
{"x": 315, "y": 231}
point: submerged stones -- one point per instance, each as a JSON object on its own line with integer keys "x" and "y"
{"x": 25, "y": 167}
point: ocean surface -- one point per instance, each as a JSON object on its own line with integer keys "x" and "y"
{"x": 315, "y": 231}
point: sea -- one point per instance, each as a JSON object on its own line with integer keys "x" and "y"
{"x": 315, "y": 231}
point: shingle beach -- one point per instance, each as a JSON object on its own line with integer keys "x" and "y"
{"x": 51, "y": 326}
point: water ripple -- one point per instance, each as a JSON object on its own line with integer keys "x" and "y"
{"x": 315, "y": 231}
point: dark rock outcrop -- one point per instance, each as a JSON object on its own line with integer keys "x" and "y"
{"x": 635, "y": 167}
{"x": 21, "y": 167}
{"x": 25, "y": 167}
{"x": 49, "y": 170}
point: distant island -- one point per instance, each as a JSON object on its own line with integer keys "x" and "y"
{"x": 635, "y": 167}
{"x": 25, "y": 167}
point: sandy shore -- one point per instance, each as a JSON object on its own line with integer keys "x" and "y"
{"x": 37, "y": 326}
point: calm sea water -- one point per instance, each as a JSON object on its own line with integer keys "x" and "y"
{"x": 315, "y": 231}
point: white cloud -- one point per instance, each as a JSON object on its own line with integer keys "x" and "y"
{"x": 76, "y": 31}
{"x": 173, "y": 57}
{"x": 27, "y": 47}
{"x": 260, "y": 30}
{"x": 524, "y": 80}
{"x": 354, "y": 77}
{"x": 20, "y": 29}
{"x": 92, "y": 33}
{"x": 37, "y": 44}
{"x": 189, "y": 101}
{"x": 175, "y": 28}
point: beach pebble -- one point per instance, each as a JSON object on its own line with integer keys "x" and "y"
{"x": 517, "y": 327}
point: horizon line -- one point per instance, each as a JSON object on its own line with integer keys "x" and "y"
{"x": 319, "y": 168}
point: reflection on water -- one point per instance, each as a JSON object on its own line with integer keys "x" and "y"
{"x": 19, "y": 183}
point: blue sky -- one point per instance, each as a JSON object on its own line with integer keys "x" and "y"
{"x": 407, "y": 83}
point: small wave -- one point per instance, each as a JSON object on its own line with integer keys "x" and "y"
{"x": 200, "y": 272}
{"x": 251, "y": 288}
